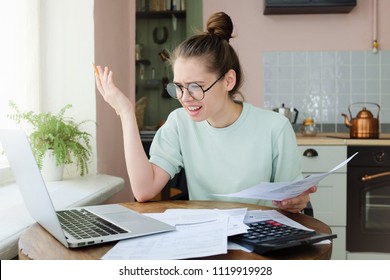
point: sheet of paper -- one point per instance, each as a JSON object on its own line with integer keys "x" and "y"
{"x": 235, "y": 223}
{"x": 191, "y": 239}
{"x": 283, "y": 190}
{"x": 233, "y": 246}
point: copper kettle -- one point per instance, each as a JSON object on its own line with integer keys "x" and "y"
{"x": 364, "y": 125}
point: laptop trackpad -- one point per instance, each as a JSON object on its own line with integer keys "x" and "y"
{"x": 123, "y": 217}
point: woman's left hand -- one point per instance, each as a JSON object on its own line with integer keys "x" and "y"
{"x": 295, "y": 204}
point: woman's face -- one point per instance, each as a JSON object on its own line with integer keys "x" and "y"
{"x": 213, "y": 107}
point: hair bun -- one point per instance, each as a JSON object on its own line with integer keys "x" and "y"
{"x": 221, "y": 25}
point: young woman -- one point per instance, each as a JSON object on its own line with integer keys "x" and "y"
{"x": 224, "y": 144}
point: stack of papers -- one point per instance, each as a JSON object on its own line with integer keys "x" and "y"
{"x": 199, "y": 233}
{"x": 202, "y": 233}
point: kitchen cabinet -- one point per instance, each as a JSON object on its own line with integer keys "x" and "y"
{"x": 329, "y": 202}
{"x": 277, "y": 7}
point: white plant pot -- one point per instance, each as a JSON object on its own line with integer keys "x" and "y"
{"x": 50, "y": 171}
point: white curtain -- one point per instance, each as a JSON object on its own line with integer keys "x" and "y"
{"x": 19, "y": 56}
{"x": 19, "y": 62}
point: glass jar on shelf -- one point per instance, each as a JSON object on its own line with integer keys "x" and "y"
{"x": 309, "y": 128}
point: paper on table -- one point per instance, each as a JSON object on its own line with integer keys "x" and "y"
{"x": 191, "y": 239}
{"x": 283, "y": 190}
{"x": 235, "y": 223}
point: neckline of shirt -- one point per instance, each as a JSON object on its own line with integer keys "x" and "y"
{"x": 234, "y": 125}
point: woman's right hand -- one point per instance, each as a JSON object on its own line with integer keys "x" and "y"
{"x": 141, "y": 172}
{"x": 111, "y": 94}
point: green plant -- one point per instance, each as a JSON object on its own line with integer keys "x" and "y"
{"x": 57, "y": 133}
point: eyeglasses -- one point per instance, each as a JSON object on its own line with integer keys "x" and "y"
{"x": 196, "y": 91}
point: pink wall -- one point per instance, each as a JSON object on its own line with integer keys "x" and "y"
{"x": 115, "y": 47}
{"x": 256, "y": 33}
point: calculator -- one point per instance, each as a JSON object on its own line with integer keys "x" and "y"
{"x": 271, "y": 235}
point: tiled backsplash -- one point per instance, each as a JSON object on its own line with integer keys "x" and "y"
{"x": 324, "y": 84}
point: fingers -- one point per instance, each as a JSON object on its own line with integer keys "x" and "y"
{"x": 303, "y": 198}
{"x": 291, "y": 209}
{"x": 100, "y": 74}
{"x": 312, "y": 189}
{"x": 103, "y": 78}
{"x": 299, "y": 201}
{"x": 110, "y": 93}
{"x": 106, "y": 73}
{"x": 108, "y": 85}
{"x": 99, "y": 85}
{"x": 110, "y": 77}
{"x": 291, "y": 205}
{"x": 296, "y": 204}
{"x": 294, "y": 207}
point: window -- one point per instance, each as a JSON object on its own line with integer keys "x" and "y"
{"x": 19, "y": 56}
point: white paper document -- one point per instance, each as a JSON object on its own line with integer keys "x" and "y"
{"x": 283, "y": 190}
{"x": 197, "y": 234}
{"x": 235, "y": 223}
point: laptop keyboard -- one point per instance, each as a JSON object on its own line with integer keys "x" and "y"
{"x": 82, "y": 224}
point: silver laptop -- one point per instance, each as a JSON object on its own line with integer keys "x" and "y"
{"x": 111, "y": 222}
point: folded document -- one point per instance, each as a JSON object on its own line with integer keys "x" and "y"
{"x": 283, "y": 190}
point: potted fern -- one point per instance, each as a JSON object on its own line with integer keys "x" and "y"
{"x": 57, "y": 137}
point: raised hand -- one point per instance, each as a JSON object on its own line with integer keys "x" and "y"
{"x": 111, "y": 94}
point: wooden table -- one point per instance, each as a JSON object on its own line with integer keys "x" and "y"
{"x": 37, "y": 243}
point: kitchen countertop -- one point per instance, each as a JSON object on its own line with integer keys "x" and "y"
{"x": 339, "y": 139}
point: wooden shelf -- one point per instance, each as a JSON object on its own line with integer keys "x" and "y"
{"x": 161, "y": 14}
{"x": 145, "y": 62}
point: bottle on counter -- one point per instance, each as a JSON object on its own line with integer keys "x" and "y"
{"x": 309, "y": 127}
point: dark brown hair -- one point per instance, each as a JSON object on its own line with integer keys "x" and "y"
{"x": 214, "y": 49}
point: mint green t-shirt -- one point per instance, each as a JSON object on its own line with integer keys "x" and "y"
{"x": 260, "y": 146}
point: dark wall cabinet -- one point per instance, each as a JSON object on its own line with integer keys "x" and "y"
{"x": 275, "y": 7}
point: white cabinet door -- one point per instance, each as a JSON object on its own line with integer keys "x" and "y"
{"x": 329, "y": 202}
{"x": 327, "y": 158}
{"x": 339, "y": 248}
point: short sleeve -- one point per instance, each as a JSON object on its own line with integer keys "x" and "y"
{"x": 165, "y": 150}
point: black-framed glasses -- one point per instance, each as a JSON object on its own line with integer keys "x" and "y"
{"x": 196, "y": 91}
